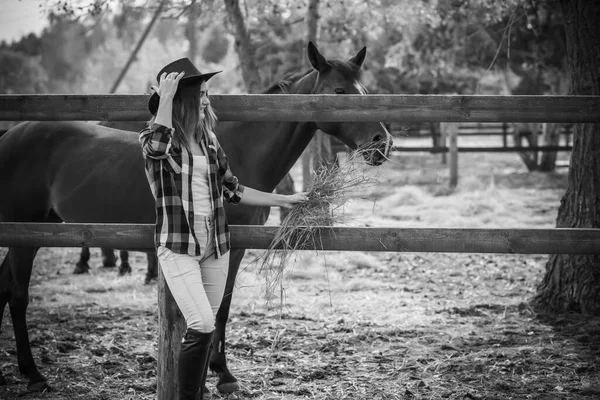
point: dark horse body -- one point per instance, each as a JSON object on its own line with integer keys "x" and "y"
{"x": 108, "y": 255}
{"x": 81, "y": 172}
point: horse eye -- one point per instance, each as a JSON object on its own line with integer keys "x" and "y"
{"x": 339, "y": 91}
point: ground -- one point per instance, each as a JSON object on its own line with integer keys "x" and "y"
{"x": 349, "y": 325}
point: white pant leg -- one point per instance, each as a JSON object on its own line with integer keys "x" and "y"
{"x": 184, "y": 279}
{"x": 214, "y": 275}
{"x": 214, "y": 270}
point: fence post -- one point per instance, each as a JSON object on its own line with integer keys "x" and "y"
{"x": 443, "y": 143}
{"x": 171, "y": 326}
{"x": 451, "y": 131}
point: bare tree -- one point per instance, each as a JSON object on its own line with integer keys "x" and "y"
{"x": 243, "y": 46}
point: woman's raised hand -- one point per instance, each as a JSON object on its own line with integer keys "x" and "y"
{"x": 167, "y": 86}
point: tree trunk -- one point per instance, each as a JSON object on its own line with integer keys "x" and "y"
{"x": 572, "y": 282}
{"x": 244, "y": 47}
{"x": 551, "y": 137}
{"x": 191, "y": 30}
{"x": 529, "y": 132}
{"x": 319, "y": 150}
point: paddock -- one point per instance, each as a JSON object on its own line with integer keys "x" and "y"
{"x": 392, "y": 243}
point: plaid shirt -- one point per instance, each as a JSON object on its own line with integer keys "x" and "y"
{"x": 169, "y": 172}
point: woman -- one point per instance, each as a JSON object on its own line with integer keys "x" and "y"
{"x": 189, "y": 175}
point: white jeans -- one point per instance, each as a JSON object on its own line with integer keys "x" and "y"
{"x": 196, "y": 283}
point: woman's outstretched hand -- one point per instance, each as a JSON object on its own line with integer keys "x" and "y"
{"x": 167, "y": 86}
{"x": 288, "y": 201}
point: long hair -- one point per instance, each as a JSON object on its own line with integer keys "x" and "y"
{"x": 186, "y": 116}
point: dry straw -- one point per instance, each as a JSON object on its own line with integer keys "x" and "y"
{"x": 333, "y": 185}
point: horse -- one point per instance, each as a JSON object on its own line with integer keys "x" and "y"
{"x": 109, "y": 259}
{"x": 81, "y": 172}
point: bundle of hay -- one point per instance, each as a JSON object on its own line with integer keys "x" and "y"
{"x": 333, "y": 185}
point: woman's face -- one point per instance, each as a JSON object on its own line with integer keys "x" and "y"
{"x": 204, "y": 102}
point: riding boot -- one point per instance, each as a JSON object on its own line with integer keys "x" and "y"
{"x": 205, "y": 392}
{"x": 193, "y": 356}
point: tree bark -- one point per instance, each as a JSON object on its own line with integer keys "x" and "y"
{"x": 572, "y": 282}
{"x": 244, "y": 47}
{"x": 551, "y": 137}
{"x": 191, "y": 30}
{"x": 526, "y": 134}
{"x": 319, "y": 150}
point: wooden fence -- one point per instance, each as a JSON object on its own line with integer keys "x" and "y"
{"x": 431, "y": 240}
{"x": 502, "y": 129}
{"x": 399, "y": 108}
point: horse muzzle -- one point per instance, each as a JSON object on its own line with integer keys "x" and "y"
{"x": 376, "y": 153}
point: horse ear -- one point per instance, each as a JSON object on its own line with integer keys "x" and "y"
{"x": 316, "y": 59}
{"x": 359, "y": 58}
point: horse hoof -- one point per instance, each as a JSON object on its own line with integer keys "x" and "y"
{"x": 124, "y": 269}
{"x": 39, "y": 387}
{"x": 228, "y": 387}
{"x": 81, "y": 268}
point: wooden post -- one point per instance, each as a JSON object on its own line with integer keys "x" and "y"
{"x": 451, "y": 131}
{"x": 443, "y": 143}
{"x": 171, "y": 329}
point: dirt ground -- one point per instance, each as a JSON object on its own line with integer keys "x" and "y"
{"x": 350, "y": 325}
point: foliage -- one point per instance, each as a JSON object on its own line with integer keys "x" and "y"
{"x": 20, "y": 73}
{"x": 217, "y": 45}
{"x": 423, "y": 46}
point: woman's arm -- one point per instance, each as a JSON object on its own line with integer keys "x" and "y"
{"x": 253, "y": 197}
{"x": 156, "y": 139}
{"x": 167, "y": 87}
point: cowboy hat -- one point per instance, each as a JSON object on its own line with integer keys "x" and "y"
{"x": 192, "y": 75}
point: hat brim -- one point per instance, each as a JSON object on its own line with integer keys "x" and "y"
{"x": 154, "y": 100}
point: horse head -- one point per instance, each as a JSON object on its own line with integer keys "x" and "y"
{"x": 339, "y": 77}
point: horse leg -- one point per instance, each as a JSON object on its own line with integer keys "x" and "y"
{"x": 124, "y": 268}
{"x": 218, "y": 361}
{"x": 108, "y": 257}
{"x": 20, "y": 262}
{"x": 152, "y": 272}
{"x": 82, "y": 266}
{"x": 4, "y": 296}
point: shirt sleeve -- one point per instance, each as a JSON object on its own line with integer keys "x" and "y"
{"x": 233, "y": 190}
{"x": 156, "y": 141}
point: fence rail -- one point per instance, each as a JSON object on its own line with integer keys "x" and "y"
{"x": 263, "y": 107}
{"x": 480, "y": 149}
{"x": 449, "y": 240}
